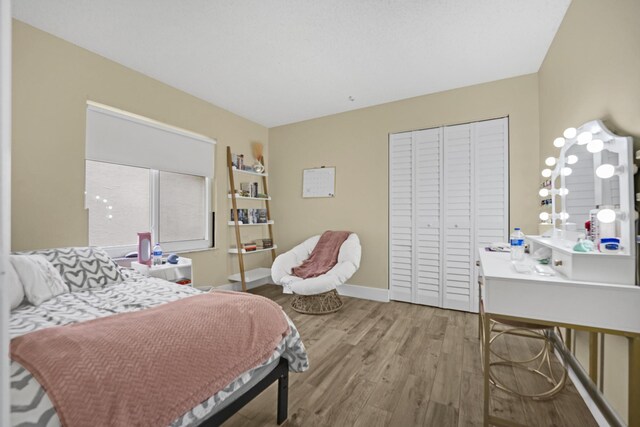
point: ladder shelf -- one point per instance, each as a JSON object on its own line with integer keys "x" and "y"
{"x": 244, "y": 276}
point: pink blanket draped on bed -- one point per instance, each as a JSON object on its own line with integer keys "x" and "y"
{"x": 146, "y": 368}
{"x": 324, "y": 256}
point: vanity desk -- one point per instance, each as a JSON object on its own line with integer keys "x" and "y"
{"x": 557, "y": 301}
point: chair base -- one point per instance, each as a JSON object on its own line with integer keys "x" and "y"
{"x": 324, "y": 303}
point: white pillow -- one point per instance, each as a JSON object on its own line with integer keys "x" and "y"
{"x": 40, "y": 279}
{"x": 13, "y": 283}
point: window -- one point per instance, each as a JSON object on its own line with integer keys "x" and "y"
{"x": 183, "y": 214}
{"x": 145, "y": 176}
{"x": 118, "y": 199}
{"x": 124, "y": 200}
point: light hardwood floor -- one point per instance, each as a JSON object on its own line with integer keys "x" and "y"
{"x": 396, "y": 364}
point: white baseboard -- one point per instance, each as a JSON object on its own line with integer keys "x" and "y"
{"x": 364, "y": 292}
{"x": 237, "y": 286}
{"x": 354, "y": 291}
{"x": 591, "y": 405}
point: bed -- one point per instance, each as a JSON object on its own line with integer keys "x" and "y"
{"x": 30, "y": 405}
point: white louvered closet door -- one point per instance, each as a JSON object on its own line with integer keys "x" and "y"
{"x": 448, "y": 195}
{"x": 458, "y": 218}
{"x": 428, "y": 216}
{"x": 401, "y": 216}
{"x": 490, "y": 141}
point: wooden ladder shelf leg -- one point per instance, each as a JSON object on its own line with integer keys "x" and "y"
{"x": 234, "y": 204}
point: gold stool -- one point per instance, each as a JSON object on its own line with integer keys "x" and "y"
{"x": 538, "y": 364}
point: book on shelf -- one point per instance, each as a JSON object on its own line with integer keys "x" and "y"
{"x": 249, "y": 189}
{"x": 264, "y": 243}
{"x": 250, "y": 216}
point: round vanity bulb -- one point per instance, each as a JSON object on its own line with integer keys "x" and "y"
{"x": 584, "y": 138}
{"x": 564, "y": 216}
{"x": 595, "y": 146}
{"x": 570, "y": 133}
{"x": 543, "y": 192}
{"x": 572, "y": 159}
{"x": 606, "y": 215}
{"x": 566, "y": 171}
{"x": 563, "y": 191}
{"x": 559, "y": 142}
{"x": 546, "y": 173}
{"x": 550, "y": 161}
{"x": 605, "y": 171}
{"x": 544, "y": 216}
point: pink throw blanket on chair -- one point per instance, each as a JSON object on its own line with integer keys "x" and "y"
{"x": 324, "y": 256}
{"x": 146, "y": 368}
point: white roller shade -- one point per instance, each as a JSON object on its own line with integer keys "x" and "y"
{"x": 115, "y": 136}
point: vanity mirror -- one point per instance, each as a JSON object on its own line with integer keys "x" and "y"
{"x": 592, "y": 198}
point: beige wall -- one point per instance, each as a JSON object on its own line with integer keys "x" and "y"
{"x": 592, "y": 71}
{"x": 52, "y": 80}
{"x": 356, "y": 142}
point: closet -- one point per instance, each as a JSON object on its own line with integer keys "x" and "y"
{"x": 448, "y": 195}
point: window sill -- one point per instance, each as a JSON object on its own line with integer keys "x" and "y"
{"x": 195, "y": 250}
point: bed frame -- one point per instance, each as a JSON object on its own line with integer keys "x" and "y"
{"x": 280, "y": 373}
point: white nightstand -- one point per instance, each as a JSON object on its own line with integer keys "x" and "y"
{"x": 170, "y": 272}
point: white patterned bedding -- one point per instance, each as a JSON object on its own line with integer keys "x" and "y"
{"x": 30, "y": 405}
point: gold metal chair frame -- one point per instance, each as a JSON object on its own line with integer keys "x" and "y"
{"x": 541, "y": 361}
{"x": 324, "y": 303}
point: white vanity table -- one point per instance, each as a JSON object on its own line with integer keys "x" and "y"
{"x": 556, "y": 300}
{"x": 592, "y": 290}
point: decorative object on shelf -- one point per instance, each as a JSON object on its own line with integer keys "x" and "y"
{"x": 257, "y": 151}
{"x": 144, "y": 248}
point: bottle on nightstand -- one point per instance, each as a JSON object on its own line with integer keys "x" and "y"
{"x": 157, "y": 254}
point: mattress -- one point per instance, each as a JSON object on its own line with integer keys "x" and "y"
{"x": 30, "y": 405}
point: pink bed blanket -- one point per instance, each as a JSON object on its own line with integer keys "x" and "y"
{"x": 324, "y": 256}
{"x": 146, "y": 368}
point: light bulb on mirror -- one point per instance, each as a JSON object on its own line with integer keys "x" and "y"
{"x": 572, "y": 159}
{"x": 570, "y": 133}
{"x": 543, "y": 192}
{"x": 595, "y": 146}
{"x": 606, "y": 215}
{"x": 546, "y": 173}
{"x": 584, "y": 138}
{"x": 564, "y": 216}
{"x": 605, "y": 171}
{"x": 559, "y": 142}
{"x": 563, "y": 191}
{"x": 544, "y": 216}
{"x": 566, "y": 171}
{"x": 550, "y": 161}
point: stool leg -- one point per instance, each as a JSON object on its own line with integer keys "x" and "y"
{"x": 486, "y": 335}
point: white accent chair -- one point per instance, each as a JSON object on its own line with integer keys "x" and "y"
{"x": 316, "y": 295}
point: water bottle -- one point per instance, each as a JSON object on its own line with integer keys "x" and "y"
{"x": 157, "y": 254}
{"x": 517, "y": 245}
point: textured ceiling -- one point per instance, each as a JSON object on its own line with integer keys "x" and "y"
{"x": 278, "y": 62}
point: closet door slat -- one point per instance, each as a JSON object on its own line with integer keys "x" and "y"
{"x": 458, "y": 214}
{"x": 401, "y": 217}
{"x": 491, "y": 187}
{"x": 428, "y": 214}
